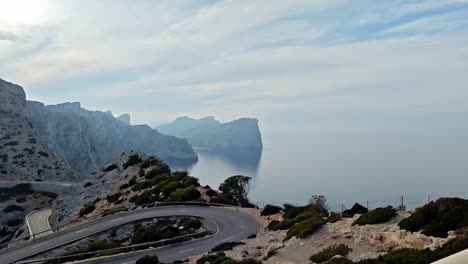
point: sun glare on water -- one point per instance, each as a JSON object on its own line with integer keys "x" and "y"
{"x": 22, "y": 11}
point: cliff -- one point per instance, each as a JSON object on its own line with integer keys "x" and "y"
{"x": 22, "y": 157}
{"x": 88, "y": 140}
{"x": 241, "y": 134}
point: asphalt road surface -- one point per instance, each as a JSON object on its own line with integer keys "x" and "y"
{"x": 230, "y": 225}
{"x": 38, "y": 223}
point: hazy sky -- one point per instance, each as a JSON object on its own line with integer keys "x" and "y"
{"x": 269, "y": 59}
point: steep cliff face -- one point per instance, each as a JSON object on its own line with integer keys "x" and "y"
{"x": 22, "y": 157}
{"x": 13, "y": 98}
{"x": 88, "y": 140}
{"x": 241, "y": 134}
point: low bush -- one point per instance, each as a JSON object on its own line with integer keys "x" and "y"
{"x": 88, "y": 184}
{"x": 185, "y": 194}
{"x": 169, "y": 188}
{"x": 42, "y": 153}
{"x": 270, "y": 210}
{"x": 305, "y": 228}
{"x": 13, "y": 208}
{"x": 226, "y": 246}
{"x": 87, "y": 209}
{"x": 111, "y": 167}
{"x": 132, "y": 161}
{"x": 153, "y": 259}
{"x": 14, "y": 222}
{"x": 190, "y": 223}
{"x": 190, "y": 181}
{"x": 328, "y": 253}
{"x": 340, "y": 261}
{"x": 141, "y": 186}
{"x": 114, "y": 210}
{"x": 252, "y": 236}
{"x": 146, "y": 197}
{"x": 114, "y": 197}
{"x": 437, "y": 218}
{"x": 280, "y": 225}
{"x": 220, "y": 258}
{"x": 377, "y": 216}
{"x": 356, "y": 209}
{"x": 291, "y": 211}
{"x": 160, "y": 169}
{"x": 149, "y": 162}
{"x": 211, "y": 193}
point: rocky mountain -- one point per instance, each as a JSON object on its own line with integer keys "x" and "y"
{"x": 21, "y": 154}
{"x": 125, "y": 118}
{"x": 88, "y": 140}
{"x": 240, "y": 134}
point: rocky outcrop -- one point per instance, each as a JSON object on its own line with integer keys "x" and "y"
{"x": 12, "y": 98}
{"x": 125, "y": 118}
{"x": 88, "y": 140}
{"x": 241, "y": 134}
{"x": 22, "y": 157}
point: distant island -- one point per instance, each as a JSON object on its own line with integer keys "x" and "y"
{"x": 241, "y": 134}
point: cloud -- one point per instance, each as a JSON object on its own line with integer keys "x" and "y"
{"x": 160, "y": 59}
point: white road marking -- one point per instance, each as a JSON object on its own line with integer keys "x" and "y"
{"x": 113, "y": 220}
{"x": 242, "y": 226}
{"x": 130, "y": 262}
{"x": 79, "y": 231}
{"x": 186, "y": 250}
{"x": 227, "y": 238}
{"x": 38, "y": 245}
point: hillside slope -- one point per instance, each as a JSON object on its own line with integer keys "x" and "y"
{"x": 22, "y": 156}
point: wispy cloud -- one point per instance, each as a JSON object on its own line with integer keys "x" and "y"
{"x": 238, "y": 58}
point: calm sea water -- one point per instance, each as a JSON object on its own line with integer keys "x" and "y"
{"x": 375, "y": 162}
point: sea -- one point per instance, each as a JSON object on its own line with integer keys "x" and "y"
{"x": 375, "y": 161}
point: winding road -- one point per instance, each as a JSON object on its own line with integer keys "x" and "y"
{"x": 228, "y": 223}
{"x": 38, "y": 223}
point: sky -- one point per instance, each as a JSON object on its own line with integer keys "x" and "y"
{"x": 276, "y": 60}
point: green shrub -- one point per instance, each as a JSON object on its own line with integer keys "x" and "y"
{"x": 185, "y": 194}
{"x": 179, "y": 175}
{"x": 42, "y": 153}
{"x": 13, "y": 208}
{"x": 114, "y": 197}
{"x": 153, "y": 259}
{"x": 437, "y": 218}
{"x": 305, "y": 228}
{"x": 226, "y": 246}
{"x": 306, "y": 215}
{"x": 328, "y": 253}
{"x": 190, "y": 181}
{"x": 160, "y": 169}
{"x": 377, "y": 216}
{"x": 146, "y": 197}
{"x": 149, "y": 162}
{"x": 211, "y": 193}
{"x": 291, "y": 211}
{"x": 132, "y": 161}
{"x": 87, "y": 209}
{"x": 169, "y": 188}
{"x": 270, "y": 210}
{"x": 283, "y": 225}
{"x": 356, "y": 209}
{"x": 190, "y": 223}
{"x": 114, "y": 210}
{"x": 340, "y": 261}
{"x": 111, "y": 167}
{"x": 141, "y": 186}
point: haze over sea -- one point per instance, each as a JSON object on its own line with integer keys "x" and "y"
{"x": 352, "y": 158}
